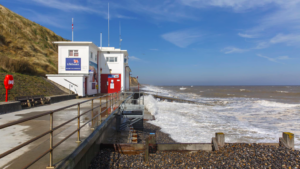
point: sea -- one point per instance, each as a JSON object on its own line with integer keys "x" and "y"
{"x": 245, "y": 114}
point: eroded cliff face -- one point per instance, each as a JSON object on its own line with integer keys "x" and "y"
{"x": 133, "y": 81}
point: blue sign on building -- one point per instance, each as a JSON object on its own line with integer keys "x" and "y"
{"x": 73, "y": 64}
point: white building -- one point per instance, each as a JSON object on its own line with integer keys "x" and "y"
{"x": 117, "y": 61}
{"x": 80, "y": 65}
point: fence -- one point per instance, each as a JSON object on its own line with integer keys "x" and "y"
{"x": 110, "y": 101}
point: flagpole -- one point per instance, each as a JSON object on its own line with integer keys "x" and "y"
{"x": 72, "y": 31}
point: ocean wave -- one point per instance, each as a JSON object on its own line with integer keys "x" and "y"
{"x": 282, "y": 91}
{"x": 252, "y": 120}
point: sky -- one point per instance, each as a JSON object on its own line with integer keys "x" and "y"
{"x": 185, "y": 42}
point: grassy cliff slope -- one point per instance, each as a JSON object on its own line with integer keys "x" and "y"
{"x": 28, "y": 85}
{"x": 27, "y": 53}
{"x": 25, "y": 46}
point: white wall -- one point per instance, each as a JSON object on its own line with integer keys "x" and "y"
{"x": 91, "y": 91}
{"x": 117, "y": 67}
{"x": 76, "y": 80}
{"x": 63, "y": 53}
{"x": 103, "y": 64}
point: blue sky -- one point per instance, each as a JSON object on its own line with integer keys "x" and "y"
{"x": 186, "y": 42}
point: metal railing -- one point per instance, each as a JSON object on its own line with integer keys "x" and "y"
{"x": 111, "y": 100}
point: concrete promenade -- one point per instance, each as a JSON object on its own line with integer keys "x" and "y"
{"x": 18, "y": 134}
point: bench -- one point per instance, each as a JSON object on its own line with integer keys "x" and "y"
{"x": 31, "y": 100}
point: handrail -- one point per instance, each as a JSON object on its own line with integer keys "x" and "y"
{"x": 71, "y": 82}
{"x": 111, "y": 99}
{"x": 43, "y": 114}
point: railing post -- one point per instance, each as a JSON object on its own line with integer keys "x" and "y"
{"x": 111, "y": 103}
{"x": 78, "y": 124}
{"x": 92, "y": 127}
{"x": 117, "y": 96}
{"x": 107, "y": 104}
{"x": 51, "y": 143}
{"x": 100, "y": 110}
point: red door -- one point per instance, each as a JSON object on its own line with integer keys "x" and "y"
{"x": 104, "y": 83}
{"x": 110, "y": 83}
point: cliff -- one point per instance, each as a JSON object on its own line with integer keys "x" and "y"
{"x": 133, "y": 81}
{"x": 25, "y": 46}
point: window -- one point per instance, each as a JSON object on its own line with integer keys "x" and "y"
{"x": 91, "y": 55}
{"x": 73, "y": 53}
{"x": 95, "y": 57}
{"x": 112, "y": 59}
{"x": 125, "y": 60}
{"x": 76, "y": 53}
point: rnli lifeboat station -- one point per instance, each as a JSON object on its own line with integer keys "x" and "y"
{"x": 87, "y": 69}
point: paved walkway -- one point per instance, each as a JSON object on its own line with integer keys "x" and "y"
{"x": 18, "y": 134}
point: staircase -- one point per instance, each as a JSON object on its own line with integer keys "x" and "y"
{"x": 66, "y": 90}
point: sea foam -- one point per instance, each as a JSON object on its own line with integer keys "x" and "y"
{"x": 247, "y": 120}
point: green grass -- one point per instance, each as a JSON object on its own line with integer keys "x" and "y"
{"x": 22, "y": 39}
{"x": 27, "y": 85}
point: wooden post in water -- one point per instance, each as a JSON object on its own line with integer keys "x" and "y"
{"x": 220, "y": 137}
{"x": 146, "y": 155}
{"x": 287, "y": 140}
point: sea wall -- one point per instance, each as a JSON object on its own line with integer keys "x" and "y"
{"x": 11, "y": 106}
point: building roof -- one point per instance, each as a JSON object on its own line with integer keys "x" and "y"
{"x": 102, "y": 49}
{"x": 74, "y": 43}
{"x": 112, "y": 49}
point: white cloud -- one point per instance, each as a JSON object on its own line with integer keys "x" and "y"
{"x": 285, "y": 17}
{"x": 43, "y": 19}
{"x": 274, "y": 59}
{"x": 169, "y": 10}
{"x": 154, "y": 49}
{"x": 236, "y": 5}
{"x": 183, "y": 38}
{"x": 289, "y": 39}
{"x": 266, "y": 57}
{"x": 246, "y": 35}
{"x": 65, "y": 6}
{"x": 228, "y": 50}
{"x": 176, "y": 10}
{"x": 283, "y": 57}
{"x": 92, "y": 7}
{"x": 134, "y": 58}
{"x": 262, "y": 45}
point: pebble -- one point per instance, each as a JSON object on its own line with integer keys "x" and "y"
{"x": 230, "y": 156}
{"x": 234, "y": 155}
